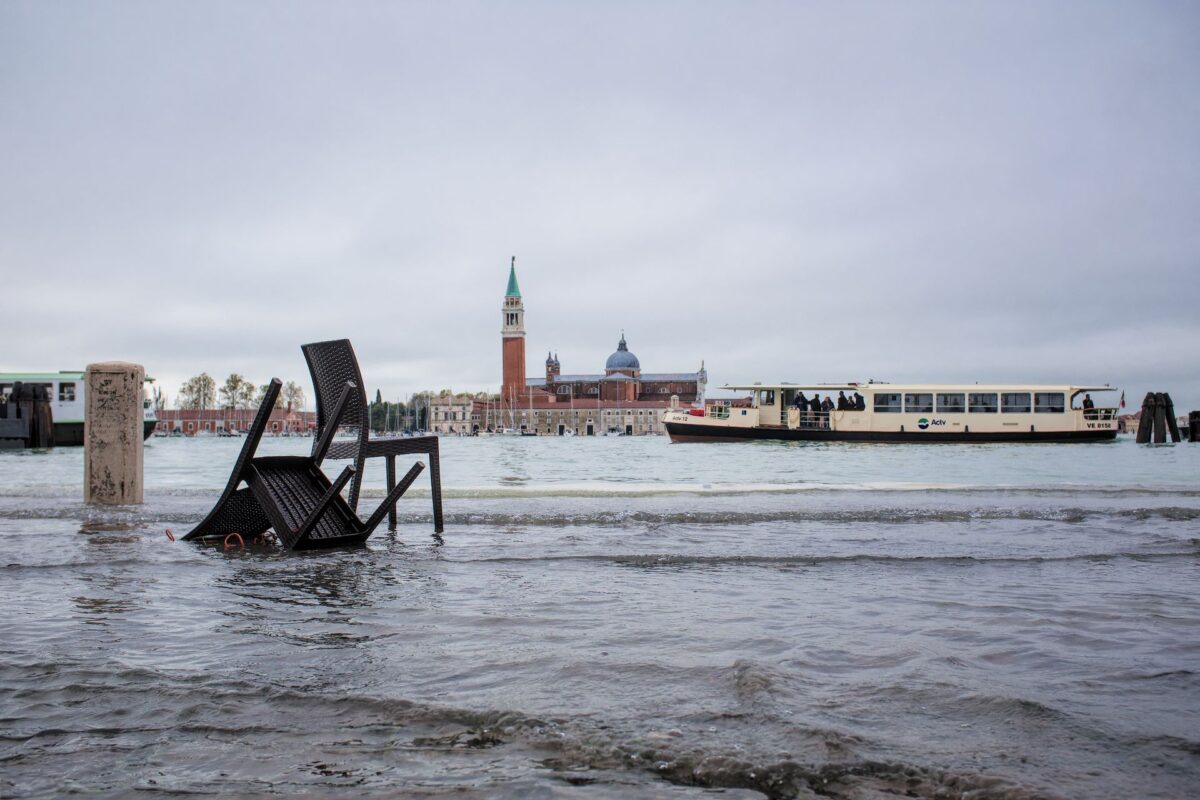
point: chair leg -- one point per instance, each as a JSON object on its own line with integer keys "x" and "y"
{"x": 435, "y": 482}
{"x": 391, "y": 484}
{"x": 393, "y": 496}
{"x": 356, "y": 484}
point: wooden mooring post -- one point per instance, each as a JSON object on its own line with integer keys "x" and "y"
{"x": 113, "y": 434}
{"x": 27, "y": 418}
{"x": 1157, "y": 418}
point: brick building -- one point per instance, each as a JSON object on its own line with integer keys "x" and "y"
{"x": 191, "y": 421}
{"x": 621, "y": 399}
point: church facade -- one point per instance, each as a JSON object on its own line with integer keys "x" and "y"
{"x": 622, "y": 399}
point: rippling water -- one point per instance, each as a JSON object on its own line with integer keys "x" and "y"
{"x": 621, "y": 617}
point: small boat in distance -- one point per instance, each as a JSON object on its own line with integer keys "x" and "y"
{"x": 66, "y": 390}
{"x": 887, "y": 412}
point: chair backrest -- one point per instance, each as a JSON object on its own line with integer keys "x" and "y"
{"x": 253, "y": 436}
{"x": 331, "y": 365}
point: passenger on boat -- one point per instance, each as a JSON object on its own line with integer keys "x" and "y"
{"x": 1088, "y": 405}
{"x": 827, "y": 404}
{"x": 860, "y": 404}
{"x": 814, "y": 411}
{"x": 842, "y": 403}
{"x": 801, "y": 402}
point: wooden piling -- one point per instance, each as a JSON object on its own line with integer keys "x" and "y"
{"x": 1169, "y": 412}
{"x": 1160, "y": 419}
{"x": 1146, "y": 419}
{"x": 112, "y": 434}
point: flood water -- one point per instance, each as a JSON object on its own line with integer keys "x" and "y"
{"x": 620, "y": 618}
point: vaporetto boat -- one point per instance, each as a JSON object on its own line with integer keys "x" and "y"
{"x": 889, "y": 412}
{"x": 67, "y": 402}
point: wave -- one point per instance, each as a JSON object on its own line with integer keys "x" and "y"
{"x": 677, "y": 560}
{"x": 115, "y": 519}
{"x": 206, "y": 713}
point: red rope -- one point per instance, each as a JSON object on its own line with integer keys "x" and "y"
{"x": 170, "y": 535}
{"x": 240, "y": 541}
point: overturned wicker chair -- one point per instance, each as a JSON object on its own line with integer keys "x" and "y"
{"x": 292, "y": 495}
{"x": 332, "y": 364}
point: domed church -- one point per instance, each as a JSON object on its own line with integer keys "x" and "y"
{"x": 623, "y": 380}
{"x": 622, "y": 398}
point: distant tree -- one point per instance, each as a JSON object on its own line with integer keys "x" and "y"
{"x": 262, "y": 394}
{"x": 232, "y": 391}
{"x": 378, "y": 396}
{"x": 247, "y": 395}
{"x": 293, "y": 396}
{"x": 198, "y": 392}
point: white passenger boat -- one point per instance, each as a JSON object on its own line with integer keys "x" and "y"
{"x": 66, "y": 391}
{"x": 903, "y": 413}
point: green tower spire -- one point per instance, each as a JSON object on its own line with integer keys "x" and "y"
{"x": 513, "y": 289}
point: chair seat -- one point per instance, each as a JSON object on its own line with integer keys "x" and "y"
{"x": 378, "y": 448}
{"x": 239, "y": 513}
{"x": 291, "y": 488}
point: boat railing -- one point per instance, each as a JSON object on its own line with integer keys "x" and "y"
{"x": 808, "y": 420}
{"x": 1100, "y": 414}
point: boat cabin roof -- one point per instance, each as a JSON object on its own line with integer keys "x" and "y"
{"x": 42, "y": 377}
{"x": 891, "y": 388}
{"x": 47, "y": 377}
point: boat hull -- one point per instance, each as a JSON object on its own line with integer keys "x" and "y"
{"x": 70, "y": 434}
{"x": 724, "y": 433}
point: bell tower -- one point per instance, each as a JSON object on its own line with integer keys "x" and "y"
{"x": 512, "y": 339}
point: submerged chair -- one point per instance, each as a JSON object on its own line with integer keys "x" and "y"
{"x": 332, "y": 364}
{"x": 292, "y": 495}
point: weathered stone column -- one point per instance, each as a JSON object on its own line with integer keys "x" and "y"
{"x": 113, "y": 433}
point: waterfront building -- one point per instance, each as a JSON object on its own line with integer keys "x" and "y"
{"x": 192, "y": 421}
{"x": 450, "y": 413}
{"x": 622, "y": 399}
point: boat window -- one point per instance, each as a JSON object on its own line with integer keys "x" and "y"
{"x": 766, "y": 397}
{"x": 954, "y": 403}
{"x": 1049, "y": 402}
{"x": 981, "y": 403}
{"x": 1014, "y": 402}
{"x": 918, "y": 403}
{"x": 66, "y": 392}
{"x": 887, "y": 403}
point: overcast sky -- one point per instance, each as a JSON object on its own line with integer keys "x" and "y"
{"x": 789, "y": 191}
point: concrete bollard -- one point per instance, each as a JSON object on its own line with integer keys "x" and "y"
{"x": 112, "y": 433}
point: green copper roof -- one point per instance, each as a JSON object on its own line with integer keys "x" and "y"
{"x": 513, "y": 289}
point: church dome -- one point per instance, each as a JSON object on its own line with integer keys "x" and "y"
{"x": 622, "y": 359}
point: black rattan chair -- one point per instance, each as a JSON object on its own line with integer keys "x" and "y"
{"x": 306, "y": 509}
{"x": 237, "y": 511}
{"x": 333, "y": 364}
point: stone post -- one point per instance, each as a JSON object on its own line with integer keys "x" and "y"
{"x": 113, "y": 433}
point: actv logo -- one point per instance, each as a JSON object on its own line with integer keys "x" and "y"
{"x": 925, "y": 422}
